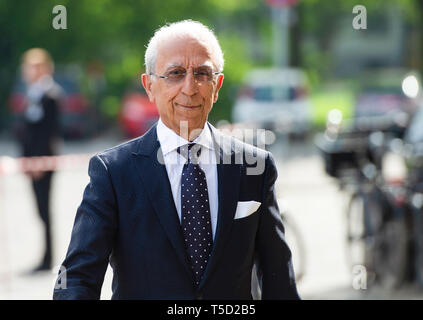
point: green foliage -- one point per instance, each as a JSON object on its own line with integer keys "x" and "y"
{"x": 320, "y": 20}
{"x": 237, "y": 63}
{"x": 110, "y": 106}
{"x": 116, "y": 33}
{"x": 326, "y": 99}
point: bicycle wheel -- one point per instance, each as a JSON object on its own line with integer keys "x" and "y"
{"x": 356, "y": 233}
{"x": 255, "y": 285}
{"x": 377, "y": 238}
{"x": 391, "y": 253}
{"x": 296, "y": 244}
{"x": 364, "y": 220}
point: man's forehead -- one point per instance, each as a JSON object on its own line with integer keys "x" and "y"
{"x": 178, "y": 51}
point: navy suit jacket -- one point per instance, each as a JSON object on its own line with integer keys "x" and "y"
{"x": 128, "y": 218}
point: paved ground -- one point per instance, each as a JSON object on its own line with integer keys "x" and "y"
{"x": 314, "y": 201}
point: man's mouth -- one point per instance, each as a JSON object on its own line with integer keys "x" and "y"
{"x": 188, "y": 106}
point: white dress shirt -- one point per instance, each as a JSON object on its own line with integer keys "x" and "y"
{"x": 169, "y": 142}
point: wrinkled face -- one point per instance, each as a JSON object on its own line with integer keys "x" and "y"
{"x": 188, "y": 101}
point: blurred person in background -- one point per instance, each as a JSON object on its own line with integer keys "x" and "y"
{"x": 39, "y": 132}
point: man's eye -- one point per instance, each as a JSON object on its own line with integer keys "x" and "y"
{"x": 176, "y": 73}
{"x": 203, "y": 72}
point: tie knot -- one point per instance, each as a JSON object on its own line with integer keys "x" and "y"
{"x": 190, "y": 151}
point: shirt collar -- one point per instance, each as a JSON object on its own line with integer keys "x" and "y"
{"x": 170, "y": 141}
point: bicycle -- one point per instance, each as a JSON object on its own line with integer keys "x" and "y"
{"x": 377, "y": 218}
{"x": 378, "y": 235}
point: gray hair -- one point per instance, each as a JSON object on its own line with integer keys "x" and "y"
{"x": 189, "y": 28}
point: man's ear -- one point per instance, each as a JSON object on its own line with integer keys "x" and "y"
{"x": 219, "y": 85}
{"x": 146, "y": 82}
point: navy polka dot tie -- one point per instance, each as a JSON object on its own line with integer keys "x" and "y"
{"x": 195, "y": 211}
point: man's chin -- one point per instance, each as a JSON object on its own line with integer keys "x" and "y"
{"x": 193, "y": 116}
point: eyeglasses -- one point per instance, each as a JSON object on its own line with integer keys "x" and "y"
{"x": 177, "y": 75}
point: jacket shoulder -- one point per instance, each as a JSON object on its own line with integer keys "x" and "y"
{"x": 238, "y": 146}
{"x": 247, "y": 149}
{"x": 120, "y": 153}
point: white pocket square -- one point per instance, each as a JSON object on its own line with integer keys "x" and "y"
{"x": 246, "y": 208}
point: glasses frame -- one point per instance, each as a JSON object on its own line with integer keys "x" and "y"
{"x": 194, "y": 73}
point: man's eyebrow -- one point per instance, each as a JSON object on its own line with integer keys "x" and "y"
{"x": 174, "y": 65}
{"x": 206, "y": 64}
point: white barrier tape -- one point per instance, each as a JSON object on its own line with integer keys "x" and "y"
{"x": 9, "y": 165}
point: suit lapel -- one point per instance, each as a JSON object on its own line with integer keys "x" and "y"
{"x": 154, "y": 176}
{"x": 228, "y": 174}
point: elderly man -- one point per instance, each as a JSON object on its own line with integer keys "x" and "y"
{"x": 177, "y": 212}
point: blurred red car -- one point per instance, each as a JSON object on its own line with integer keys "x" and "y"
{"x": 137, "y": 114}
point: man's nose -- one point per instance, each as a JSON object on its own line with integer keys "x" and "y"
{"x": 190, "y": 85}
